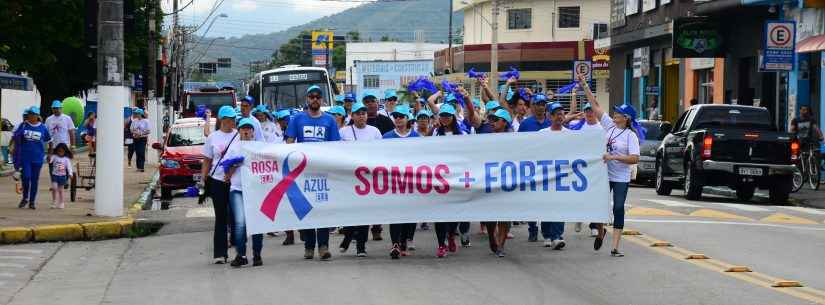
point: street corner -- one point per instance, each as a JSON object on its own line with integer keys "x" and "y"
{"x": 126, "y": 226}
{"x": 15, "y": 235}
{"x": 61, "y": 232}
{"x": 102, "y": 230}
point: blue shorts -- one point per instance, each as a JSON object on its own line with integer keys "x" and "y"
{"x": 60, "y": 180}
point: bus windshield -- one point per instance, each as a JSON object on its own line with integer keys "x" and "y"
{"x": 288, "y": 89}
{"x": 213, "y": 101}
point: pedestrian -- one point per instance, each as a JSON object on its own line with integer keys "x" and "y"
{"x": 390, "y": 100}
{"x": 446, "y": 125}
{"x": 622, "y": 152}
{"x": 338, "y": 113}
{"x": 247, "y": 105}
{"x": 128, "y": 140}
{"x": 140, "y": 133}
{"x": 358, "y": 131}
{"x": 423, "y": 124}
{"x": 401, "y": 234}
{"x": 324, "y": 129}
{"x": 589, "y": 121}
{"x": 349, "y": 99}
{"x": 61, "y": 127}
{"x": 91, "y": 132}
{"x": 384, "y": 125}
{"x": 234, "y": 154}
{"x": 282, "y": 118}
{"x": 553, "y": 231}
{"x": 267, "y": 125}
{"x": 806, "y": 129}
{"x": 214, "y": 150}
{"x": 30, "y": 138}
{"x": 61, "y": 161}
{"x": 5, "y": 140}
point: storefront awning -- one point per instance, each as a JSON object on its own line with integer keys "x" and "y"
{"x": 811, "y": 44}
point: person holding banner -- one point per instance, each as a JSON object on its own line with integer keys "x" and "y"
{"x": 358, "y": 131}
{"x": 553, "y": 231}
{"x": 590, "y": 121}
{"x": 323, "y": 129}
{"x": 216, "y": 188}
{"x": 232, "y": 161}
{"x": 247, "y": 105}
{"x": 533, "y": 123}
{"x": 401, "y": 233}
{"x": 446, "y": 125}
{"x": 384, "y": 125}
{"x": 622, "y": 133}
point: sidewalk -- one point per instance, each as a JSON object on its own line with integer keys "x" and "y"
{"x": 79, "y": 211}
{"x": 811, "y": 198}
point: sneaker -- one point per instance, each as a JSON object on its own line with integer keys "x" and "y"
{"x": 410, "y": 245}
{"x": 257, "y": 261}
{"x": 451, "y": 245}
{"x": 441, "y": 252}
{"x": 239, "y": 261}
{"x": 61, "y": 206}
{"x": 53, "y": 206}
{"x": 533, "y": 237}
{"x": 220, "y": 260}
{"x": 23, "y": 203}
{"x": 616, "y": 253}
{"x": 344, "y": 246}
{"x": 597, "y": 244}
{"x": 549, "y": 243}
{"x": 465, "y": 241}
{"x": 578, "y": 227}
{"x": 594, "y": 232}
{"x": 289, "y": 240}
{"x": 425, "y": 226}
{"x": 343, "y": 249}
{"x": 361, "y": 253}
{"x": 510, "y": 235}
{"x": 323, "y": 252}
{"x": 559, "y": 244}
{"x": 31, "y": 205}
{"x": 395, "y": 253}
{"x": 309, "y": 253}
{"x": 129, "y": 165}
{"x": 405, "y": 253}
{"x": 500, "y": 253}
{"x": 273, "y": 234}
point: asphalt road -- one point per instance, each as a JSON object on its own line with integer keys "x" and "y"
{"x": 173, "y": 267}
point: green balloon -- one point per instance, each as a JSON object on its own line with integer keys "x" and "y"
{"x": 73, "y": 107}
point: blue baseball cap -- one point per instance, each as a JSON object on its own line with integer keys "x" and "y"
{"x": 476, "y": 102}
{"x": 540, "y": 98}
{"x": 226, "y": 112}
{"x": 350, "y": 97}
{"x": 403, "y": 110}
{"x": 358, "y": 107}
{"x": 425, "y": 112}
{"x": 450, "y": 98}
{"x": 368, "y": 94}
{"x": 283, "y": 114}
{"x": 137, "y": 111}
{"x": 501, "y": 113}
{"x": 261, "y": 108}
{"x": 339, "y": 99}
{"x": 246, "y": 122}
{"x": 390, "y": 93}
{"x": 587, "y": 106}
{"x": 33, "y": 110}
{"x": 553, "y": 107}
{"x": 627, "y": 111}
{"x": 447, "y": 108}
{"x": 492, "y": 105}
{"x": 57, "y": 104}
{"x": 313, "y": 88}
{"x": 337, "y": 110}
{"x": 248, "y": 99}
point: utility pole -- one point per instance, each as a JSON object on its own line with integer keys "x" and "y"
{"x": 173, "y": 62}
{"x": 494, "y": 51}
{"x": 112, "y": 97}
{"x": 149, "y": 84}
{"x": 450, "y": 40}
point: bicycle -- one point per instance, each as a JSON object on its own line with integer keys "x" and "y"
{"x": 808, "y": 170}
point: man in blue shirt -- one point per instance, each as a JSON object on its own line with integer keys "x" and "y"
{"x": 313, "y": 125}
{"x": 536, "y": 122}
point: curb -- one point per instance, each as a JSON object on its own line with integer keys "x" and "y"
{"x": 116, "y": 228}
{"x": 731, "y": 193}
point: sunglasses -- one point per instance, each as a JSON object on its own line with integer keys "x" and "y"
{"x": 494, "y": 119}
{"x": 398, "y": 116}
{"x": 314, "y": 96}
{"x": 445, "y": 115}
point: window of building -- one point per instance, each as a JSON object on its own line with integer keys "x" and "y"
{"x": 569, "y": 16}
{"x": 371, "y": 81}
{"x": 599, "y": 30}
{"x": 705, "y": 86}
{"x": 519, "y": 19}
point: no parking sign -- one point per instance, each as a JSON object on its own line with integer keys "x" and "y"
{"x": 779, "y": 45}
{"x": 583, "y": 67}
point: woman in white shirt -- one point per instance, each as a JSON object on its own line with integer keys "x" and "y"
{"x": 246, "y": 132}
{"x": 213, "y": 151}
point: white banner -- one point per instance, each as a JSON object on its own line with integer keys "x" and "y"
{"x": 558, "y": 176}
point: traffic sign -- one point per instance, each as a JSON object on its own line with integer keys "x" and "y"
{"x": 779, "y": 45}
{"x": 583, "y": 67}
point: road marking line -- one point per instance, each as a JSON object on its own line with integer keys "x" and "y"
{"x": 6, "y": 274}
{"x": 200, "y": 213}
{"x": 785, "y": 218}
{"x": 17, "y": 257}
{"x": 708, "y": 213}
{"x": 742, "y": 207}
{"x": 805, "y": 210}
{"x": 651, "y": 212}
{"x": 725, "y": 223}
{"x": 12, "y": 265}
{"x": 673, "y": 203}
{"x": 21, "y": 251}
{"x": 755, "y": 278}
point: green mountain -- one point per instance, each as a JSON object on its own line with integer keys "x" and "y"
{"x": 398, "y": 20}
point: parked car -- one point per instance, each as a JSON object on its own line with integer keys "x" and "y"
{"x": 181, "y": 155}
{"x": 727, "y": 145}
{"x": 655, "y": 132}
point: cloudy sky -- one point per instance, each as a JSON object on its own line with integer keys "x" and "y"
{"x": 255, "y": 16}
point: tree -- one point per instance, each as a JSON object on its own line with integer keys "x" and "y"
{"x": 339, "y": 54}
{"x": 385, "y": 38}
{"x": 293, "y": 52}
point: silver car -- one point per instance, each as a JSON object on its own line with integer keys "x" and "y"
{"x": 646, "y": 169}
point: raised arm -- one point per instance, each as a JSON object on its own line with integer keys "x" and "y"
{"x": 431, "y": 101}
{"x": 590, "y": 97}
{"x": 472, "y": 116}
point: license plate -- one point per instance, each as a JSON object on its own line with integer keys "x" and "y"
{"x": 750, "y": 171}
{"x": 197, "y": 178}
{"x": 647, "y": 165}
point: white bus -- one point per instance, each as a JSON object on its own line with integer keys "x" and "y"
{"x": 285, "y": 87}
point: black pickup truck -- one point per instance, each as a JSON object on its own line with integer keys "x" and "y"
{"x": 726, "y": 145}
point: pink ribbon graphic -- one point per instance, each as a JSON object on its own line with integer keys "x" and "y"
{"x": 287, "y": 186}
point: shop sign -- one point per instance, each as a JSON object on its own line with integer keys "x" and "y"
{"x": 697, "y": 37}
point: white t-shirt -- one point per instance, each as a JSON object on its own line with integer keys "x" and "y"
{"x": 352, "y": 133}
{"x": 213, "y": 148}
{"x": 623, "y": 142}
{"x": 235, "y": 151}
{"x": 62, "y": 166}
{"x": 59, "y": 128}
{"x": 140, "y": 127}
{"x": 272, "y": 132}
{"x": 563, "y": 129}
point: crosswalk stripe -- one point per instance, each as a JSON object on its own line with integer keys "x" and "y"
{"x": 200, "y": 213}
{"x": 17, "y": 257}
{"x": 6, "y": 274}
{"x": 708, "y": 213}
{"x": 28, "y": 251}
{"x": 785, "y": 218}
{"x": 673, "y": 203}
{"x": 639, "y": 211}
{"x": 12, "y": 265}
{"x": 806, "y": 210}
{"x": 742, "y": 207}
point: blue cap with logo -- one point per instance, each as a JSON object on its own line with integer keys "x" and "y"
{"x": 390, "y": 93}
{"x": 339, "y": 99}
{"x": 313, "y": 88}
{"x": 337, "y": 110}
{"x": 246, "y": 122}
{"x": 540, "y": 98}
{"x": 138, "y": 111}
{"x": 501, "y": 113}
{"x": 447, "y": 108}
{"x": 33, "y": 110}
{"x": 369, "y": 94}
{"x": 425, "y": 112}
{"x": 358, "y": 107}
{"x": 553, "y": 107}
{"x": 248, "y": 99}
{"x": 226, "y": 112}
{"x": 350, "y": 97}
{"x": 282, "y": 114}
{"x": 403, "y": 110}
{"x": 627, "y": 111}
{"x": 57, "y": 104}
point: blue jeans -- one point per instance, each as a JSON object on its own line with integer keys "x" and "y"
{"x": 619, "y": 190}
{"x": 313, "y": 235}
{"x": 5, "y": 150}
{"x": 239, "y": 231}
{"x": 30, "y": 176}
{"x": 549, "y": 230}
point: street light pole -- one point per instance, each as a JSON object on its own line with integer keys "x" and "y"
{"x": 494, "y": 51}
{"x": 450, "y": 40}
{"x": 112, "y": 97}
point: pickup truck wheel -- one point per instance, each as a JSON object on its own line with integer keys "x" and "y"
{"x": 778, "y": 193}
{"x": 662, "y": 187}
{"x": 745, "y": 192}
{"x": 693, "y": 187}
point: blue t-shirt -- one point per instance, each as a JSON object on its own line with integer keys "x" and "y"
{"x": 394, "y": 135}
{"x": 32, "y": 140}
{"x": 304, "y": 128}
{"x": 531, "y": 124}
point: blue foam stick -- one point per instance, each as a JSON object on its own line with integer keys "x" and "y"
{"x": 200, "y": 111}
{"x": 459, "y": 98}
{"x": 640, "y": 131}
{"x": 447, "y": 87}
{"x": 473, "y": 74}
{"x": 512, "y": 73}
{"x": 229, "y": 163}
{"x": 566, "y": 89}
{"x": 576, "y": 126}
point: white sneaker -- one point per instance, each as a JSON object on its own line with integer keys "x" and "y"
{"x": 549, "y": 243}
{"x": 559, "y": 244}
{"x": 410, "y": 245}
{"x": 594, "y": 232}
{"x": 510, "y": 235}
{"x": 578, "y": 227}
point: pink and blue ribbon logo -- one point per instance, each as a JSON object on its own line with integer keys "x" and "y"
{"x": 287, "y": 186}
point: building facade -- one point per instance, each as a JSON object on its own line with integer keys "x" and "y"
{"x": 384, "y": 51}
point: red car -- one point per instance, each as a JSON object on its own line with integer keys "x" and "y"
{"x": 182, "y": 156}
